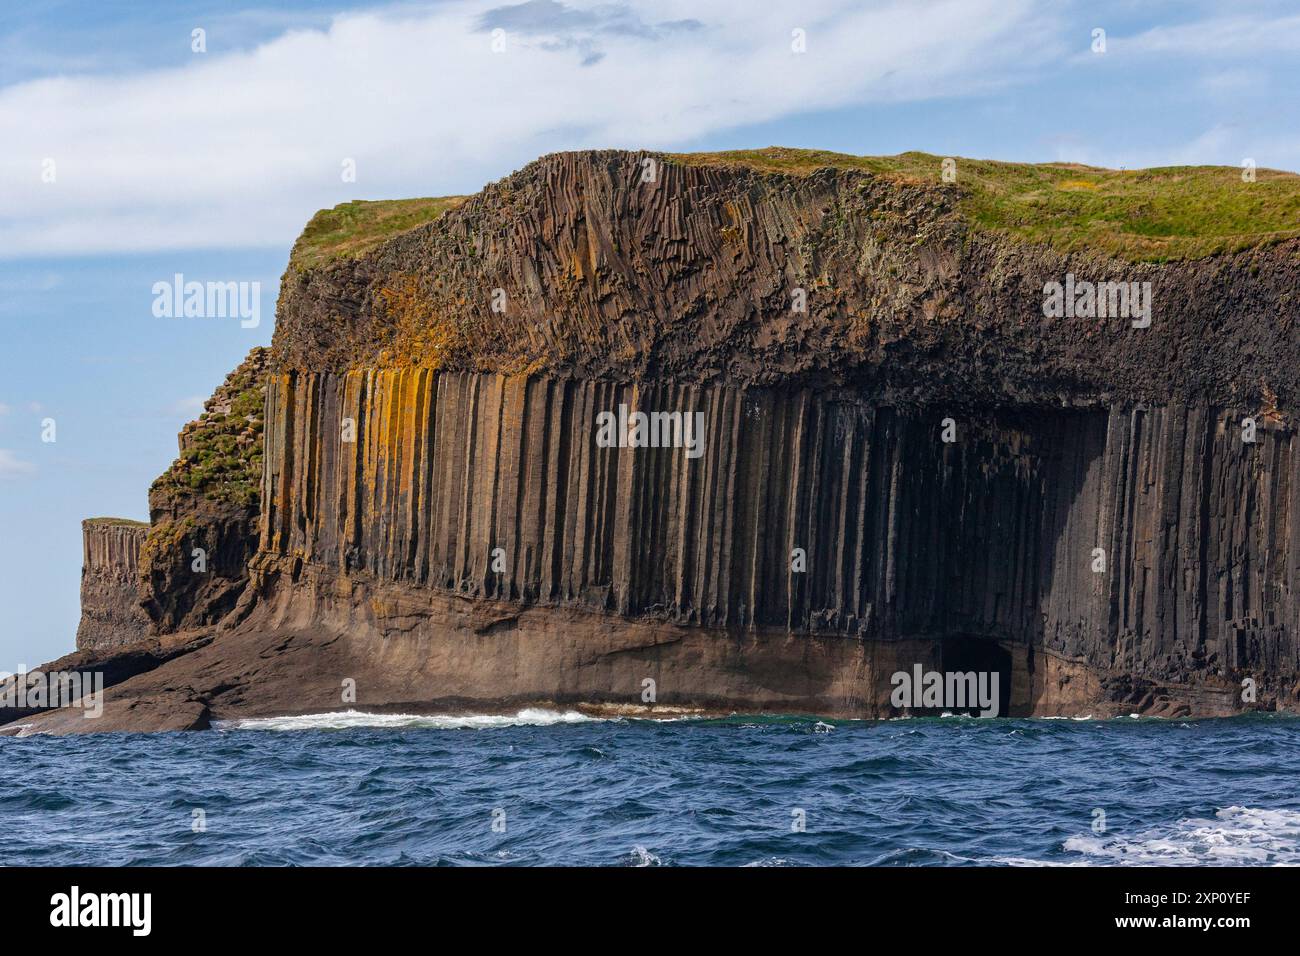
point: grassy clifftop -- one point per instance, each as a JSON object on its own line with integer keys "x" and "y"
{"x": 353, "y": 228}
{"x": 1144, "y": 215}
{"x": 113, "y": 523}
{"x": 1151, "y": 215}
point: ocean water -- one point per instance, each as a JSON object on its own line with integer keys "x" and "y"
{"x": 542, "y": 787}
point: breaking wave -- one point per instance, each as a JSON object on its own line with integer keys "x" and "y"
{"x": 355, "y": 719}
{"x": 1236, "y": 836}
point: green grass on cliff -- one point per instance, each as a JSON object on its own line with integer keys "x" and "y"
{"x": 224, "y": 457}
{"x": 1150, "y": 215}
{"x": 353, "y": 228}
{"x": 115, "y": 523}
{"x": 1171, "y": 212}
{"x": 221, "y": 456}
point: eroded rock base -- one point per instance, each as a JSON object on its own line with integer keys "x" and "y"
{"x": 310, "y": 640}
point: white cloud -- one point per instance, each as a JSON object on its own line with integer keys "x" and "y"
{"x": 1234, "y": 82}
{"x": 1218, "y": 37}
{"x": 11, "y": 466}
{"x": 239, "y": 149}
{"x": 30, "y": 284}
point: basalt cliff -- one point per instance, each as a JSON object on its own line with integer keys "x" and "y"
{"x": 870, "y": 442}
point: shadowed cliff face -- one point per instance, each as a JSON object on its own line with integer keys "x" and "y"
{"x": 495, "y": 487}
{"x": 143, "y": 580}
{"x": 1096, "y": 505}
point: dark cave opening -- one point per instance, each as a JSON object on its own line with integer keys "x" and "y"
{"x": 981, "y": 656}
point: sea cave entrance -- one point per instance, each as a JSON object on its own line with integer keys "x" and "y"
{"x": 985, "y": 657}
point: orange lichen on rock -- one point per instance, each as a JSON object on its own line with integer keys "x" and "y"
{"x": 422, "y": 335}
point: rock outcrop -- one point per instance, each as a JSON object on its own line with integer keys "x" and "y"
{"x": 903, "y": 459}
{"x": 111, "y": 615}
{"x": 203, "y": 510}
{"x": 187, "y": 568}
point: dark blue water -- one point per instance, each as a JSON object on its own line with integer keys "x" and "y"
{"x": 630, "y": 792}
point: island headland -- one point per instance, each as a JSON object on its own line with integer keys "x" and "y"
{"x": 647, "y": 434}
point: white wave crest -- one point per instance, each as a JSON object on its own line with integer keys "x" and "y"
{"x": 1237, "y": 836}
{"x": 349, "y": 719}
{"x": 640, "y": 856}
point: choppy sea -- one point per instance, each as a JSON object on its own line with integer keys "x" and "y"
{"x": 542, "y": 787}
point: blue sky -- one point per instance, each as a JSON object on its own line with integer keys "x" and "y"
{"x": 169, "y": 160}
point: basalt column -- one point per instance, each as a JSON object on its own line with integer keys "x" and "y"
{"x": 111, "y": 615}
{"x": 1152, "y": 542}
{"x": 804, "y": 512}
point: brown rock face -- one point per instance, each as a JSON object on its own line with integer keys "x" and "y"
{"x": 105, "y": 666}
{"x": 902, "y": 460}
{"x": 111, "y": 615}
{"x": 576, "y": 267}
{"x": 1117, "y": 539}
{"x": 1097, "y": 504}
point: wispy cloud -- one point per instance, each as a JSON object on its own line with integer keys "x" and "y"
{"x": 238, "y": 149}
{"x": 1217, "y": 37}
{"x": 11, "y": 466}
{"x": 550, "y": 25}
{"x": 44, "y": 282}
{"x": 34, "y": 407}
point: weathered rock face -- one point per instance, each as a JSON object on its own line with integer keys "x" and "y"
{"x": 111, "y": 615}
{"x": 102, "y": 666}
{"x": 576, "y": 267}
{"x": 1097, "y": 506}
{"x": 153, "y": 593}
{"x": 918, "y": 467}
{"x": 1154, "y": 544}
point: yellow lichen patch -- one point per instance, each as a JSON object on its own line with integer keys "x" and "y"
{"x": 163, "y": 542}
{"x": 422, "y": 337}
{"x": 1270, "y": 411}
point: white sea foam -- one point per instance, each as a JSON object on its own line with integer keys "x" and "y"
{"x": 349, "y": 719}
{"x": 640, "y": 856}
{"x": 1236, "y": 836}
